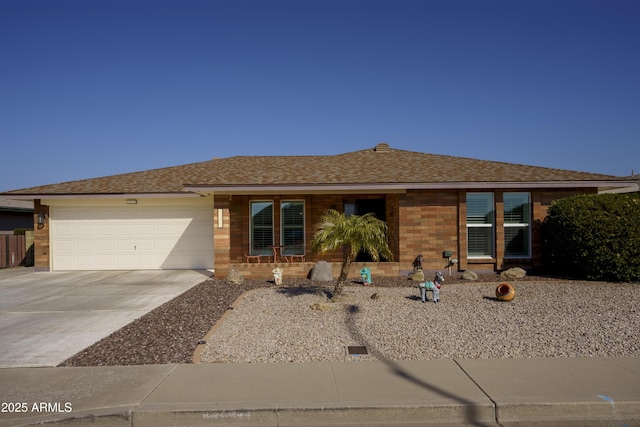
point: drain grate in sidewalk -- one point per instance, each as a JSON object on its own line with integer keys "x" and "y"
{"x": 357, "y": 349}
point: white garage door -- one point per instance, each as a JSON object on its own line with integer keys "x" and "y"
{"x": 131, "y": 237}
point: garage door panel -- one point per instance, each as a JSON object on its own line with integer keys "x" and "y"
{"x": 126, "y": 261}
{"x": 86, "y": 260}
{"x": 65, "y": 246}
{"x": 124, "y": 229}
{"x": 146, "y": 259}
{"x": 144, "y": 230}
{"x": 166, "y": 230}
{"x": 124, "y": 244}
{"x": 131, "y": 237}
{"x": 86, "y": 245}
{"x": 146, "y": 245}
{"x": 105, "y": 230}
{"x": 165, "y": 244}
{"x": 106, "y": 260}
{"x": 85, "y": 230}
{"x": 65, "y": 230}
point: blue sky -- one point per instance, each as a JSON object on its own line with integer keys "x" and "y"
{"x": 91, "y": 88}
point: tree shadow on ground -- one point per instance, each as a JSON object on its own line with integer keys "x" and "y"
{"x": 471, "y": 412}
{"x": 295, "y": 291}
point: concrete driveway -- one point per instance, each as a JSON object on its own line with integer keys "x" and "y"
{"x": 47, "y": 317}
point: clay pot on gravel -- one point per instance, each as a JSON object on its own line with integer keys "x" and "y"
{"x": 505, "y": 292}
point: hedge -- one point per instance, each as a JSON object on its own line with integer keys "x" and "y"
{"x": 595, "y": 236}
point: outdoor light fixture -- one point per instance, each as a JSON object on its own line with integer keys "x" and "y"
{"x": 132, "y": 202}
{"x": 41, "y": 217}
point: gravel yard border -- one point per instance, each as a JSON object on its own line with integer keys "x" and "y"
{"x": 170, "y": 333}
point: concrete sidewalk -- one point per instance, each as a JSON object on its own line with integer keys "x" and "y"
{"x": 506, "y": 392}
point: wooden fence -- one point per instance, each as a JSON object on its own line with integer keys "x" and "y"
{"x": 16, "y": 250}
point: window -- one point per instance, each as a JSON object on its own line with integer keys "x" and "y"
{"x": 261, "y": 228}
{"x": 292, "y": 227}
{"x": 349, "y": 208}
{"x": 517, "y": 230}
{"x": 480, "y": 218}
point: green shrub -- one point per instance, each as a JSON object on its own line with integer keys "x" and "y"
{"x": 595, "y": 236}
{"x": 21, "y": 231}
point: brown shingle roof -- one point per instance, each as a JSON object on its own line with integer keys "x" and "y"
{"x": 359, "y": 167}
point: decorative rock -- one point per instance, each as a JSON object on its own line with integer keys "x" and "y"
{"x": 469, "y": 275}
{"x": 320, "y": 307}
{"x": 234, "y": 277}
{"x": 418, "y": 276}
{"x": 322, "y": 272}
{"x": 513, "y": 273}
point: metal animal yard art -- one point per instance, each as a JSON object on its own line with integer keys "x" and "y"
{"x": 434, "y": 287}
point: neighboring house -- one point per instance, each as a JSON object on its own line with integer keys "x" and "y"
{"x": 216, "y": 213}
{"x": 631, "y": 189}
{"x": 15, "y": 214}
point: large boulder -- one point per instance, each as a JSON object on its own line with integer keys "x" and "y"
{"x": 234, "y": 277}
{"x": 513, "y": 273}
{"x": 418, "y": 275}
{"x": 469, "y": 275}
{"x": 322, "y": 272}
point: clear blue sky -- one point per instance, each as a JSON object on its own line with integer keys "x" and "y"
{"x": 91, "y": 88}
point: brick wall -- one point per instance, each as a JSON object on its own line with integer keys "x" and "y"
{"x": 300, "y": 270}
{"x": 41, "y": 243}
{"x": 221, "y": 235}
{"x": 393, "y": 224}
{"x": 425, "y": 222}
{"x": 427, "y": 226}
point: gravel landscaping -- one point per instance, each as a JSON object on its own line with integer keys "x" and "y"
{"x": 547, "y": 318}
{"x": 168, "y": 334}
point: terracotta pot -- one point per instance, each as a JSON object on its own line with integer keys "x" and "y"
{"x": 505, "y": 292}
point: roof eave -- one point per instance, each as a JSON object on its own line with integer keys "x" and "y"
{"x": 100, "y": 195}
{"x": 391, "y": 187}
{"x": 199, "y": 190}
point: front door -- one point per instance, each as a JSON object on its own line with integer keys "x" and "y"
{"x": 365, "y": 206}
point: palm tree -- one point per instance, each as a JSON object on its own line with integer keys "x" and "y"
{"x": 353, "y": 234}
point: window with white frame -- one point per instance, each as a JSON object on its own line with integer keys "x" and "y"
{"x": 517, "y": 225}
{"x": 261, "y": 228}
{"x": 292, "y": 227}
{"x": 480, "y": 223}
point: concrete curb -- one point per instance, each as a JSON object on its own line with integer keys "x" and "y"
{"x": 504, "y": 392}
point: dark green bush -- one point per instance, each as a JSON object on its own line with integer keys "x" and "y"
{"x": 595, "y": 236}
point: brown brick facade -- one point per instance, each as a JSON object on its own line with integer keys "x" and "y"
{"x": 427, "y": 227}
{"x": 221, "y": 234}
{"x": 300, "y": 270}
{"x": 423, "y": 223}
{"x": 41, "y": 242}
